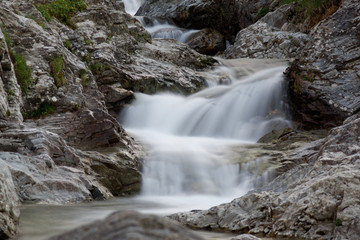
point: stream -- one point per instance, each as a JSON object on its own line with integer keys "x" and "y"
{"x": 189, "y": 142}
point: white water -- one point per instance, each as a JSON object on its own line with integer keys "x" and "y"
{"x": 189, "y": 138}
{"x": 131, "y": 6}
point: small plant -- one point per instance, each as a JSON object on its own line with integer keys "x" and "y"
{"x": 62, "y": 10}
{"x": 338, "y": 222}
{"x": 57, "y": 67}
{"x": 88, "y": 42}
{"x": 84, "y": 76}
{"x": 263, "y": 12}
{"x": 97, "y": 68}
{"x": 68, "y": 45}
{"x": 44, "y": 109}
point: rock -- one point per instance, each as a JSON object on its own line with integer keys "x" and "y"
{"x": 227, "y": 17}
{"x": 9, "y": 204}
{"x": 321, "y": 203}
{"x": 130, "y": 225}
{"x": 245, "y": 237}
{"x": 262, "y": 40}
{"x": 207, "y": 41}
{"x": 324, "y": 78}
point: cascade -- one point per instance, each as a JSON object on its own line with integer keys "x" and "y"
{"x": 156, "y": 27}
{"x": 189, "y": 138}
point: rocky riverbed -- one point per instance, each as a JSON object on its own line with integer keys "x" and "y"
{"x": 63, "y": 80}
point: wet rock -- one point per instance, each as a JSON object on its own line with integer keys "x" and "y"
{"x": 131, "y": 225}
{"x": 324, "y": 78}
{"x": 227, "y": 17}
{"x": 207, "y": 41}
{"x": 322, "y": 202}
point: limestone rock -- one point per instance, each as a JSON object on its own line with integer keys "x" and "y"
{"x": 324, "y": 78}
{"x": 130, "y": 225}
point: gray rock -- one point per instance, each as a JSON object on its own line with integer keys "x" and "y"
{"x": 245, "y": 237}
{"x": 324, "y": 78}
{"x": 261, "y": 40}
{"x": 9, "y": 204}
{"x": 130, "y": 225}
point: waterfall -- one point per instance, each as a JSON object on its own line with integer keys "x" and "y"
{"x": 156, "y": 27}
{"x": 189, "y": 137}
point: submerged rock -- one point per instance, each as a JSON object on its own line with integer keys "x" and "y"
{"x": 130, "y": 225}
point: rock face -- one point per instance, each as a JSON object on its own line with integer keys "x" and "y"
{"x": 261, "y": 40}
{"x": 9, "y": 204}
{"x": 130, "y": 225}
{"x": 321, "y": 204}
{"x": 227, "y": 17}
{"x": 324, "y": 78}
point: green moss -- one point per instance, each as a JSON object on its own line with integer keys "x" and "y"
{"x": 62, "y": 10}
{"x": 44, "y": 109}
{"x": 57, "y": 67}
{"x": 263, "y": 12}
{"x": 308, "y": 6}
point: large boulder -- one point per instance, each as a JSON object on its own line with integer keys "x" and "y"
{"x": 321, "y": 203}
{"x": 227, "y": 17}
{"x": 324, "y": 77}
{"x": 129, "y": 225}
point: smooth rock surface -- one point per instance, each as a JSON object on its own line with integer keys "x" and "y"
{"x": 129, "y": 225}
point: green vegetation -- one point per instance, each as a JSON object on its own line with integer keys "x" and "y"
{"x": 338, "y": 222}
{"x": 57, "y": 67}
{"x": 68, "y": 45}
{"x": 44, "y": 109}
{"x": 84, "y": 76}
{"x": 263, "y": 12}
{"x": 88, "y": 42}
{"x": 62, "y": 10}
{"x": 97, "y": 68}
{"x": 22, "y": 70}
